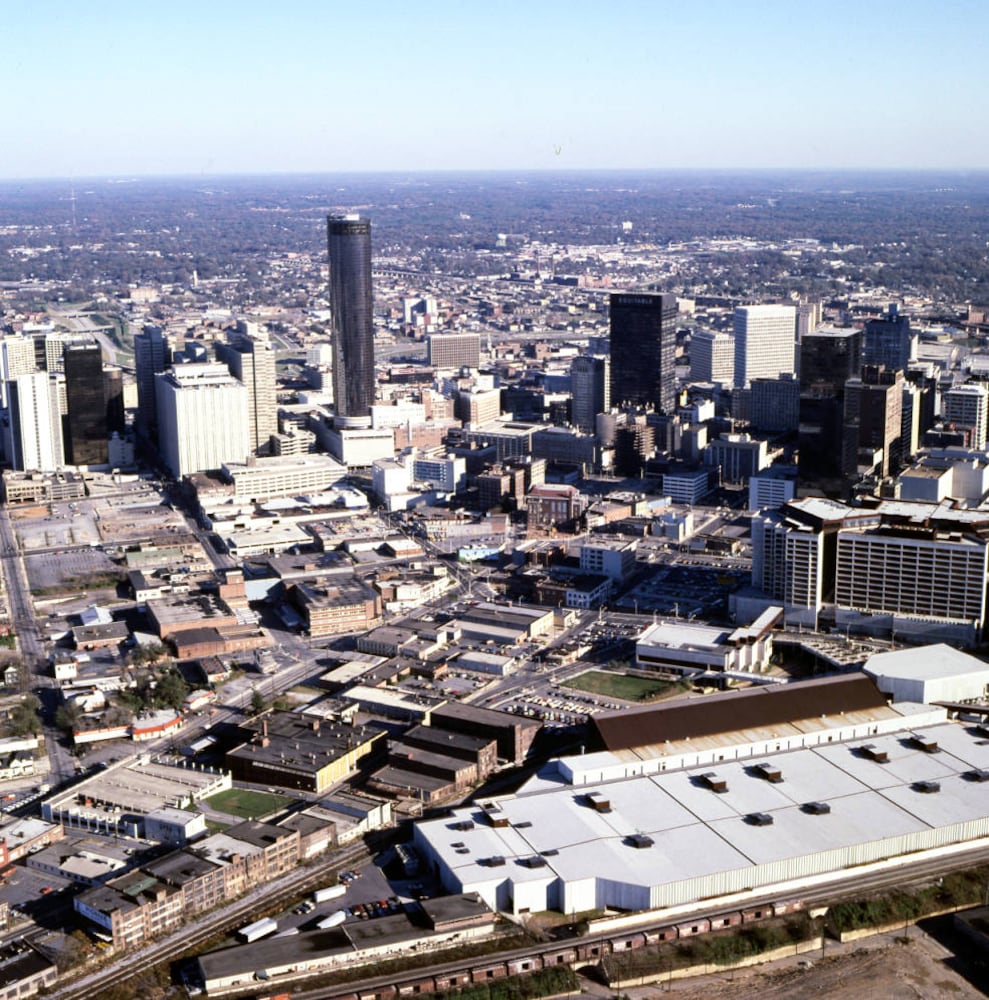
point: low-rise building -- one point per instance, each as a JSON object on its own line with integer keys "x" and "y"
{"x": 24, "y": 971}
{"x": 294, "y": 751}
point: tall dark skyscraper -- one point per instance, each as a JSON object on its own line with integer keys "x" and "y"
{"x": 889, "y": 341}
{"x": 349, "y": 244}
{"x": 643, "y": 348}
{"x": 85, "y": 432}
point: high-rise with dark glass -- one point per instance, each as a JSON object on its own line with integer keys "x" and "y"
{"x": 643, "y": 350}
{"x": 349, "y": 244}
{"x": 86, "y": 436}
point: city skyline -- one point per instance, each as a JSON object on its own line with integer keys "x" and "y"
{"x": 240, "y": 89}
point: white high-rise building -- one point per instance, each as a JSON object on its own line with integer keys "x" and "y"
{"x": 712, "y": 357}
{"x": 17, "y": 357}
{"x": 202, "y": 418}
{"x": 764, "y": 342}
{"x": 251, "y": 359}
{"x": 34, "y": 431}
{"x": 966, "y": 406}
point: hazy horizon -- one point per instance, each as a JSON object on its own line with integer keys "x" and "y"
{"x": 237, "y": 88}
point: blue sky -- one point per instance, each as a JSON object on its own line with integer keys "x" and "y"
{"x": 112, "y": 88}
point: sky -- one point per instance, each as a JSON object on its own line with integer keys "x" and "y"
{"x": 209, "y": 87}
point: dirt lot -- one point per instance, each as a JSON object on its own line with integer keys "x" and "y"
{"x": 880, "y": 972}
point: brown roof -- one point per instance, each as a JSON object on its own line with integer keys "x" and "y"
{"x": 753, "y": 708}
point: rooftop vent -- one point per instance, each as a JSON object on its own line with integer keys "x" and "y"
{"x": 550, "y": 852}
{"x": 977, "y": 774}
{"x": 759, "y": 819}
{"x": 871, "y": 751}
{"x": 464, "y": 824}
{"x": 769, "y": 772}
{"x": 925, "y": 743}
{"x": 639, "y": 840}
{"x": 497, "y": 861}
{"x": 536, "y": 861}
{"x": 712, "y": 781}
{"x": 927, "y": 787}
{"x": 816, "y": 808}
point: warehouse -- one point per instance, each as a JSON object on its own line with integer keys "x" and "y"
{"x": 675, "y": 837}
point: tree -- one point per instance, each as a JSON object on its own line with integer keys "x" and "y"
{"x": 257, "y": 702}
{"x": 24, "y": 719}
{"x": 170, "y": 689}
{"x": 148, "y": 654}
{"x": 67, "y": 717}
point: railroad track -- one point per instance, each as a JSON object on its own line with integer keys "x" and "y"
{"x": 207, "y": 926}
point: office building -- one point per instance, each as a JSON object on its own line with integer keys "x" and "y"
{"x": 764, "y": 342}
{"x": 152, "y": 356}
{"x": 251, "y": 359}
{"x": 965, "y": 407}
{"x": 873, "y": 423}
{"x": 829, "y": 357}
{"x": 349, "y": 246}
{"x": 899, "y": 566}
{"x": 590, "y": 391}
{"x": 85, "y": 436}
{"x": 737, "y": 457}
{"x": 712, "y": 357}
{"x": 889, "y": 341}
{"x": 33, "y": 432}
{"x": 643, "y": 350}
{"x": 16, "y": 358}
{"x": 774, "y": 404}
{"x": 202, "y": 418}
{"x": 454, "y": 350}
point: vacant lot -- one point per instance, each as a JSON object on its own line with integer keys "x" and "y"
{"x": 620, "y": 686}
{"x": 246, "y": 803}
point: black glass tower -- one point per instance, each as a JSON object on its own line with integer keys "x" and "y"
{"x": 643, "y": 350}
{"x": 349, "y": 244}
{"x": 85, "y": 429}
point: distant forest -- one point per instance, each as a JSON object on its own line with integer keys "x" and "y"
{"x": 913, "y": 233}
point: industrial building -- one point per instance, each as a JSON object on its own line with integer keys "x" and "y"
{"x": 120, "y": 799}
{"x": 24, "y": 971}
{"x": 295, "y": 751}
{"x": 753, "y": 804}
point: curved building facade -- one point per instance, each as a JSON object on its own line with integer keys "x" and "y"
{"x": 349, "y": 245}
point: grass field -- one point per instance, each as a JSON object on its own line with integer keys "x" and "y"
{"x": 621, "y": 686}
{"x": 246, "y": 803}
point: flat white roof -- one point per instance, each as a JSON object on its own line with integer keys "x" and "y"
{"x": 698, "y": 832}
{"x": 925, "y": 663}
{"x": 674, "y": 635}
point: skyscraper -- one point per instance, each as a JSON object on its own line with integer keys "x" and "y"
{"x": 349, "y": 246}
{"x": 589, "y": 391}
{"x": 202, "y": 418}
{"x": 712, "y": 357}
{"x": 965, "y": 406}
{"x": 873, "y": 422}
{"x": 889, "y": 341}
{"x": 765, "y": 338}
{"x": 251, "y": 359}
{"x": 34, "y": 430}
{"x": 86, "y": 435}
{"x": 152, "y": 355}
{"x": 643, "y": 348}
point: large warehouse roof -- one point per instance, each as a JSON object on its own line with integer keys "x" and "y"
{"x": 669, "y": 838}
{"x": 753, "y": 708}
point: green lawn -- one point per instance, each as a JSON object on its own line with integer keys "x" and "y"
{"x": 620, "y": 686}
{"x": 246, "y": 803}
